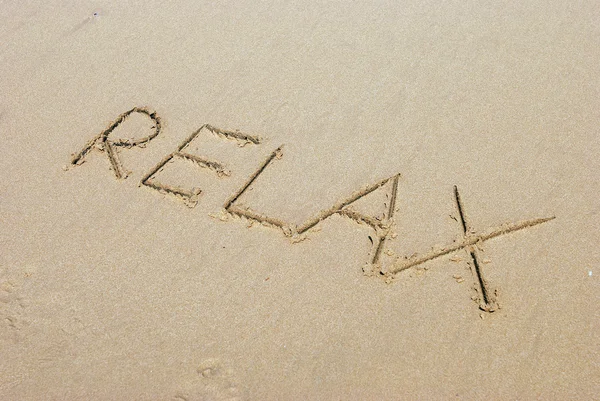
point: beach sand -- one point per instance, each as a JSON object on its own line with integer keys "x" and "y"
{"x": 428, "y": 137}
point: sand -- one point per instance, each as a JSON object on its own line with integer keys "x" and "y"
{"x": 337, "y": 201}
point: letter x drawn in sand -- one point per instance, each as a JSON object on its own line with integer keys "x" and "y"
{"x": 471, "y": 242}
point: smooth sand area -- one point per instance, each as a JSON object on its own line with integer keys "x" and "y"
{"x": 299, "y": 201}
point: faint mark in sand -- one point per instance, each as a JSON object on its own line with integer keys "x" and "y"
{"x": 57, "y": 348}
{"x": 470, "y": 241}
{"x": 213, "y": 381}
{"x": 91, "y": 18}
{"x": 13, "y": 303}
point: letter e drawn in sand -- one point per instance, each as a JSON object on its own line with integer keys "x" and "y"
{"x": 190, "y": 196}
{"x": 110, "y": 147}
{"x": 470, "y": 241}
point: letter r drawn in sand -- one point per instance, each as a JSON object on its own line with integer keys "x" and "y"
{"x": 110, "y": 147}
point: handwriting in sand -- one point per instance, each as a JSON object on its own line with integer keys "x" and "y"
{"x": 382, "y": 225}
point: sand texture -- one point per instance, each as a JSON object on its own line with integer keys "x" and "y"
{"x": 299, "y": 201}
